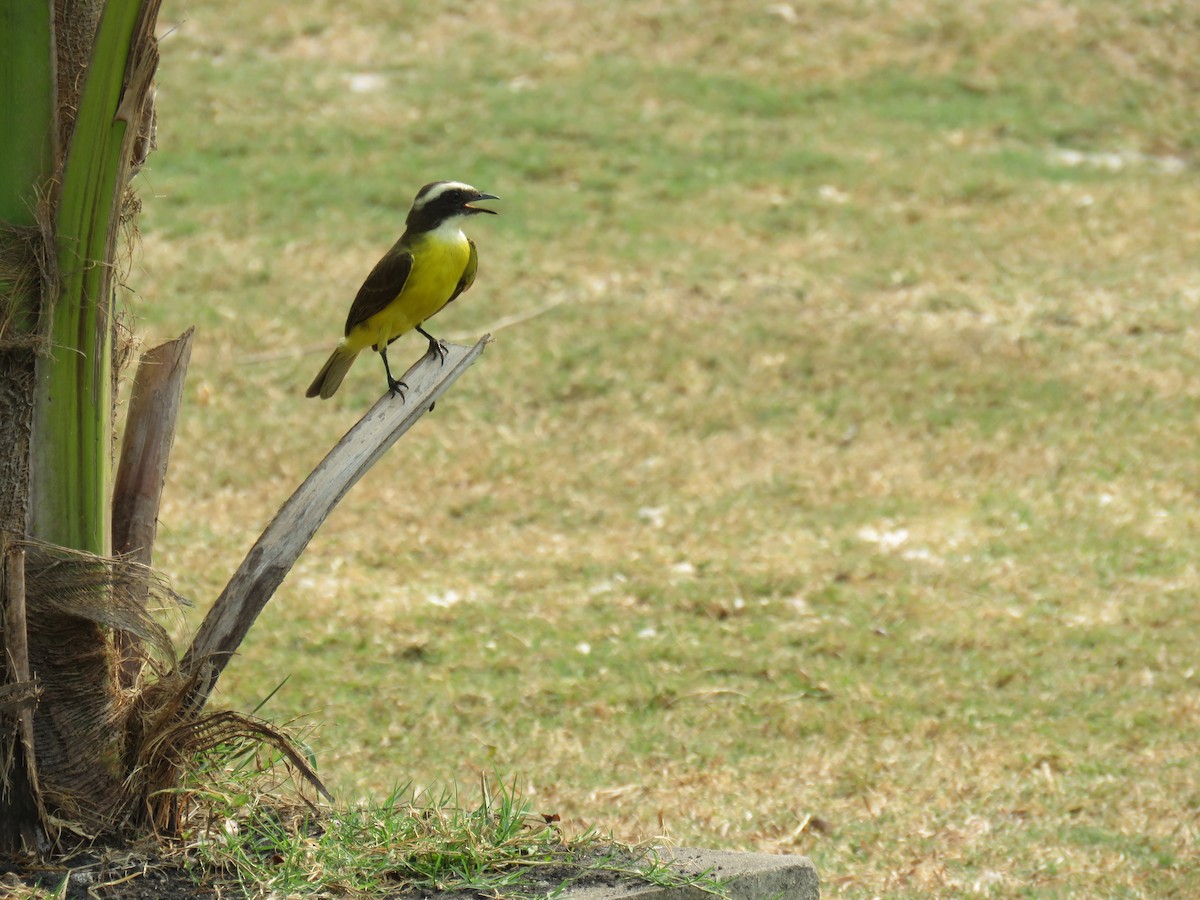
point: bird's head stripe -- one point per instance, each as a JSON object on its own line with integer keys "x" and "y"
{"x": 432, "y": 191}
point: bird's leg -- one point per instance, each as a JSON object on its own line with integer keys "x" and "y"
{"x": 435, "y": 345}
{"x": 394, "y": 387}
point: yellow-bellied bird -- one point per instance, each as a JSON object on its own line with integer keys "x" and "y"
{"x": 431, "y": 264}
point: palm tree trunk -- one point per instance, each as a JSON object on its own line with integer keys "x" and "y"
{"x": 75, "y": 78}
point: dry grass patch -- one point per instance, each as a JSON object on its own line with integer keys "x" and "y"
{"x": 839, "y": 498}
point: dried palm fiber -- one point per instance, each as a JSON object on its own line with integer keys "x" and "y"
{"x": 74, "y": 601}
{"x": 149, "y": 735}
{"x": 170, "y": 752}
{"x": 23, "y": 277}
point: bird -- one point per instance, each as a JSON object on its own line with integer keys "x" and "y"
{"x": 431, "y": 264}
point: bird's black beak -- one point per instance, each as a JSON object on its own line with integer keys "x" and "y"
{"x": 477, "y": 209}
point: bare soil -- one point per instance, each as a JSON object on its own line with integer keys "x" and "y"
{"x": 95, "y": 877}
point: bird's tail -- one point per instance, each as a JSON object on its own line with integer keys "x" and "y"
{"x": 332, "y": 373}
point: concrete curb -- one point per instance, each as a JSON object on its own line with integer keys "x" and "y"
{"x": 747, "y": 876}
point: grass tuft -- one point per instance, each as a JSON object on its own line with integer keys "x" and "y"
{"x": 411, "y": 842}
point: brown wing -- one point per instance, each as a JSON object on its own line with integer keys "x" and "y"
{"x": 382, "y": 286}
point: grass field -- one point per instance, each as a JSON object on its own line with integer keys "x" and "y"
{"x": 835, "y": 491}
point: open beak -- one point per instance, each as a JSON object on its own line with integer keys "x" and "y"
{"x": 478, "y": 209}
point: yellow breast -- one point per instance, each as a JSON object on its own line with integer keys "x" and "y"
{"x": 439, "y": 259}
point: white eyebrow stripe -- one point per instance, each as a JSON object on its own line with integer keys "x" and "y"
{"x": 437, "y": 190}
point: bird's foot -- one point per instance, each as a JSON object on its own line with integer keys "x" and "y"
{"x": 396, "y": 387}
{"x": 439, "y": 349}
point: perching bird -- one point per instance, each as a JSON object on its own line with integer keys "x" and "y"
{"x": 431, "y": 264}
